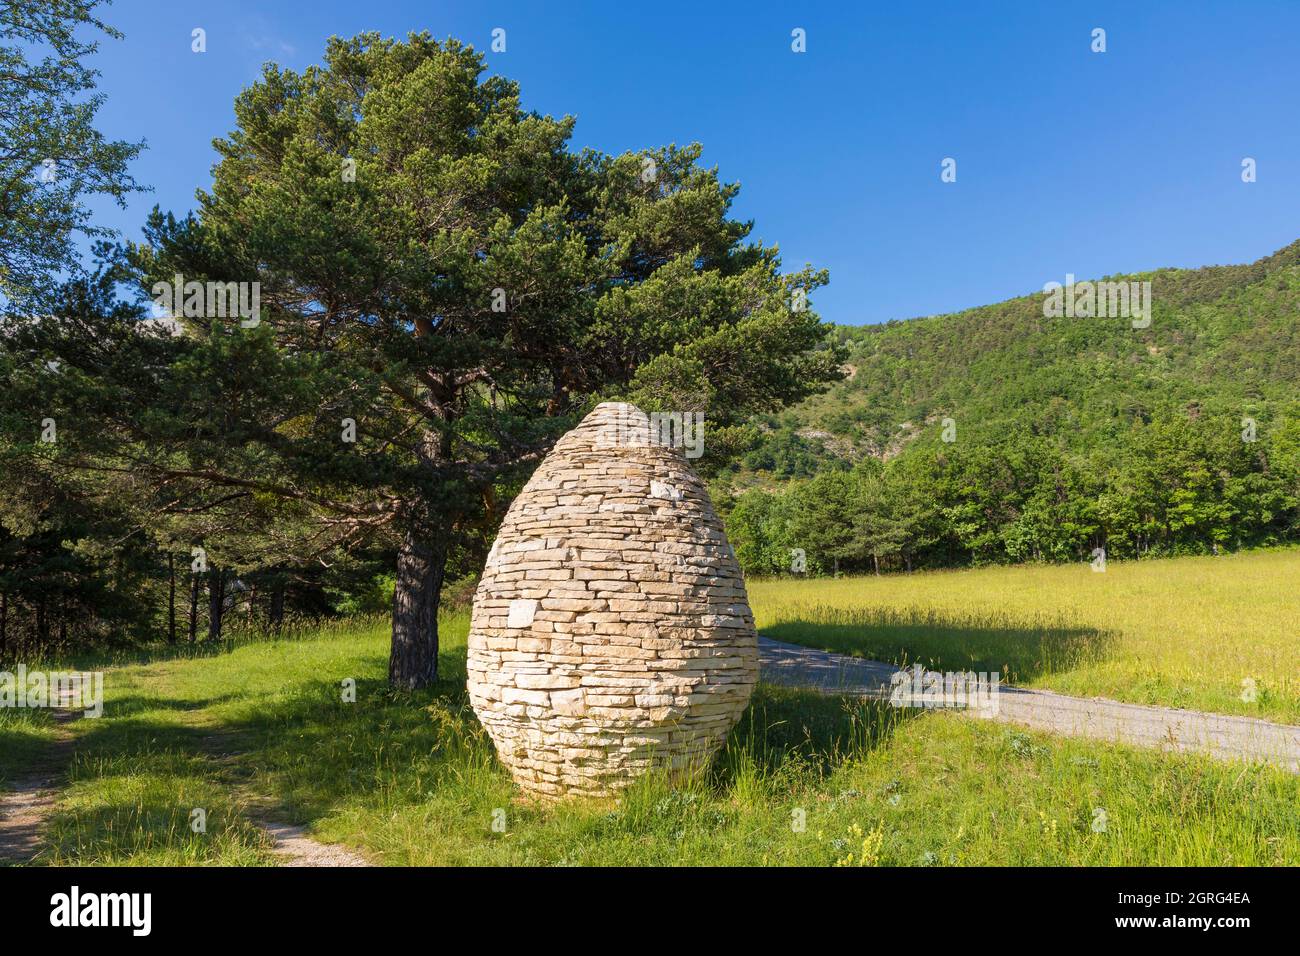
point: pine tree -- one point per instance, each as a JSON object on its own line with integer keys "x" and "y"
{"x": 444, "y": 287}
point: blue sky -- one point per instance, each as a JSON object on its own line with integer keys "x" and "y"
{"x": 1068, "y": 161}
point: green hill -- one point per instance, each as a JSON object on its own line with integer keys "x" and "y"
{"x": 1071, "y": 419}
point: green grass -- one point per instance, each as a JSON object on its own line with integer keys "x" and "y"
{"x": 25, "y": 735}
{"x": 136, "y": 809}
{"x": 412, "y": 779}
{"x": 1187, "y": 632}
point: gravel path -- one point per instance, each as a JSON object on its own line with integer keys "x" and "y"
{"x": 1166, "y": 728}
{"x": 29, "y": 800}
{"x": 295, "y": 848}
{"x": 22, "y": 815}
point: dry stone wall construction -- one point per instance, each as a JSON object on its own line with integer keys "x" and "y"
{"x": 611, "y": 632}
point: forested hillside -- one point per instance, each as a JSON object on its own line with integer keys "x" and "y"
{"x": 1064, "y": 434}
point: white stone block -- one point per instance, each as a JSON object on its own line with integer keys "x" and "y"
{"x": 522, "y": 611}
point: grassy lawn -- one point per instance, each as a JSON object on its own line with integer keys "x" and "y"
{"x": 1186, "y": 632}
{"x": 413, "y": 780}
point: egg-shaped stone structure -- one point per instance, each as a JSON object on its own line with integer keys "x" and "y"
{"x": 611, "y": 633}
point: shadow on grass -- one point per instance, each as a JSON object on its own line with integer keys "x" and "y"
{"x": 991, "y": 643}
{"x": 140, "y": 771}
{"x": 163, "y": 806}
{"x": 787, "y": 734}
{"x": 787, "y": 743}
{"x": 128, "y": 706}
{"x": 394, "y": 747}
{"x": 318, "y": 755}
{"x": 25, "y": 737}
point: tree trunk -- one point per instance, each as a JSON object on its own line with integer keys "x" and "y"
{"x": 422, "y": 558}
{"x": 4, "y": 624}
{"x": 875, "y": 561}
{"x": 194, "y": 606}
{"x": 42, "y": 626}
{"x": 413, "y": 663}
{"x": 277, "y": 605}
{"x": 216, "y": 602}
{"x": 171, "y": 598}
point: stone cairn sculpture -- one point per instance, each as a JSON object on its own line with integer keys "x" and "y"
{"x": 611, "y": 633}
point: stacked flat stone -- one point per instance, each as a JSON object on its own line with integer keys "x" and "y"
{"x": 611, "y": 632}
